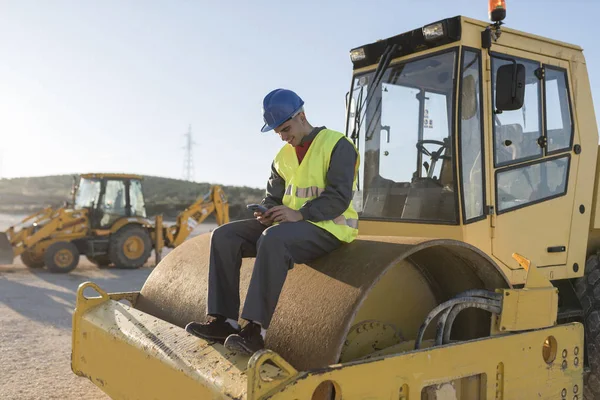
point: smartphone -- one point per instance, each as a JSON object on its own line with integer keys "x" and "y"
{"x": 257, "y": 208}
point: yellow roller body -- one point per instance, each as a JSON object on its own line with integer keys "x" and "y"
{"x": 367, "y": 295}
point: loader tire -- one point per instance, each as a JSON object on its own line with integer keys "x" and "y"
{"x": 130, "y": 247}
{"x": 31, "y": 261}
{"x": 61, "y": 257}
{"x": 588, "y": 292}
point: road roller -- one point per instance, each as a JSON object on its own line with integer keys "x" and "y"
{"x": 475, "y": 274}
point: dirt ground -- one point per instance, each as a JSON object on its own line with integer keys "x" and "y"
{"x": 36, "y": 308}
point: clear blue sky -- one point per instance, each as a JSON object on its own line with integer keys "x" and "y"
{"x": 112, "y": 85}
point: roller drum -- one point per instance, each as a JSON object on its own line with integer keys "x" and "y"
{"x": 370, "y": 294}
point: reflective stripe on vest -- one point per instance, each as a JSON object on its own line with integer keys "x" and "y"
{"x": 341, "y": 220}
{"x": 304, "y": 193}
{"x": 307, "y": 180}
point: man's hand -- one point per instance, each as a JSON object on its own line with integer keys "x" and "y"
{"x": 283, "y": 214}
{"x": 263, "y": 219}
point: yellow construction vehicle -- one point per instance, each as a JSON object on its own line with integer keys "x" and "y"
{"x": 107, "y": 223}
{"x": 475, "y": 274}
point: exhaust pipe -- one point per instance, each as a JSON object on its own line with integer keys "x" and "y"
{"x": 6, "y": 250}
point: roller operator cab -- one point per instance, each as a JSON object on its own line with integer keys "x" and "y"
{"x": 469, "y": 133}
{"x": 468, "y": 279}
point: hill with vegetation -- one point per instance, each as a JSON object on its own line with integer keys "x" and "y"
{"x": 163, "y": 195}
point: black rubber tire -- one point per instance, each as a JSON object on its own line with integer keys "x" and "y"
{"x": 588, "y": 292}
{"x": 64, "y": 247}
{"x": 102, "y": 261}
{"x": 30, "y": 261}
{"x": 117, "y": 241}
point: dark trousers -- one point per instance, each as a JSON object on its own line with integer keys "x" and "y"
{"x": 276, "y": 249}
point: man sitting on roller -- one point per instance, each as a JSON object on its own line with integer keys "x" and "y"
{"x": 310, "y": 213}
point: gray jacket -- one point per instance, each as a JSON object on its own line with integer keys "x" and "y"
{"x": 337, "y": 195}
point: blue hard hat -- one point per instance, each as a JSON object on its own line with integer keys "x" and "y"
{"x": 279, "y": 106}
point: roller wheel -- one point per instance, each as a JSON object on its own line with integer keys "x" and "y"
{"x": 101, "y": 260}
{"x": 588, "y": 292}
{"x": 31, "y": 261}
{"x": 61, "y": 257}
{"x": 130, "y": 247}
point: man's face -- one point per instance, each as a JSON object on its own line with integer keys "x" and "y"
{"x": 292, "y": 131}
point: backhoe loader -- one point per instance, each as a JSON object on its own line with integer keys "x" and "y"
{"x": 476, "y": 271}
{"x": 107, "y": 223}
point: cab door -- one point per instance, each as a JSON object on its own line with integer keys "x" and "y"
{"x": 113, "y": 203}
{"x": 533, "y": 165}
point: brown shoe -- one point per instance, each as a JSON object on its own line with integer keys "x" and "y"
{"x": 217, "y": 329}
{"x": 248, "y": 341}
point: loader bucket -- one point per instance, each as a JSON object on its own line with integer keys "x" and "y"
{"x": 6, "y": 250}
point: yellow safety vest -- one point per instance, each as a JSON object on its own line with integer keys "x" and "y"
{"x": 307, "y": 180}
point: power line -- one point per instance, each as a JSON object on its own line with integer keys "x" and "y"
{"x": 188, "y": 160}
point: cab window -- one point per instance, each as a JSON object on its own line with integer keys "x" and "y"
{"x": 532, "y": 144}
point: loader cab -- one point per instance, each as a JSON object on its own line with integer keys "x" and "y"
{"x": 110, "y": 198}
{"x": 467, "y": 132}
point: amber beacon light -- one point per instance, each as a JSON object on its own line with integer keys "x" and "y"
{"x": 497, "y": 10}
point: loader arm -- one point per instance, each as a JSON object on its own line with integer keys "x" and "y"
{"x": 215, "y": 201}
{"x": 47, "y": 223}
{"x": 15, "y": 236}
{"x": 18, "y": 233}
